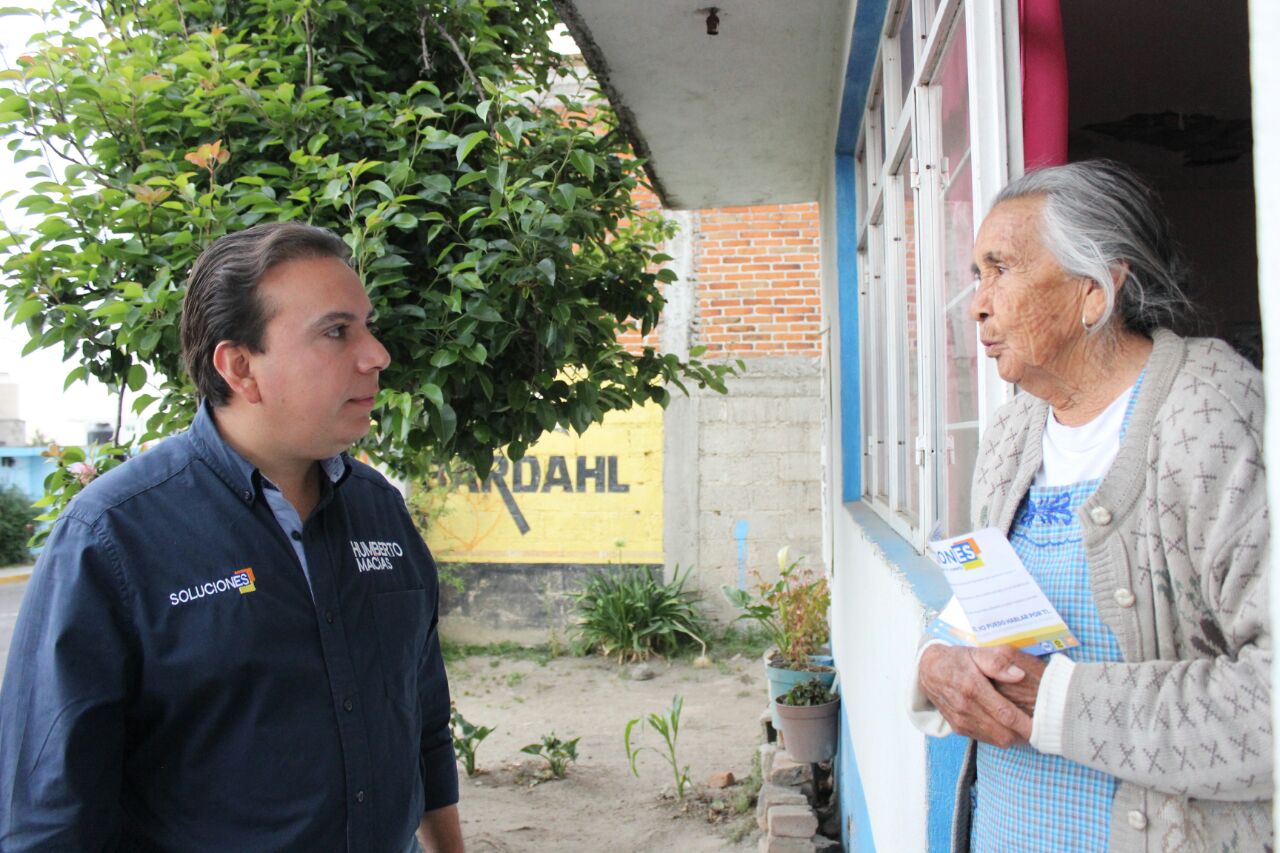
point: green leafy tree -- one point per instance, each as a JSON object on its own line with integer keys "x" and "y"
{"x": 493, "y": 223}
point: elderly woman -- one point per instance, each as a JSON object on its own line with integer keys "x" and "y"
{"x": 1129, "y": 478}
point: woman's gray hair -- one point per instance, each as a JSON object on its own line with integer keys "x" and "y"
{"x": 1099, "y": 215}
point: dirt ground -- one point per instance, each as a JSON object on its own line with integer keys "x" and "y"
{"x": 600, "y": 805}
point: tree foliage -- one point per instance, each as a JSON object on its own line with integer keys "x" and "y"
{"x": 492, "y": 222}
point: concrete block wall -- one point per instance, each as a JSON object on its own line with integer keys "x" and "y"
{"x": 743, "y": 471}
{"x": 758, "y": 478}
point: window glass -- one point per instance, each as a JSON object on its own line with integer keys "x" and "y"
{"x": 920, "y": 358}
{"x": 860, "y": 182}
{"x": 960, "y": 359}
{"x": 906, "y": 50}
{"x": 907, "y": 294}
{"x": 876, "y": 363}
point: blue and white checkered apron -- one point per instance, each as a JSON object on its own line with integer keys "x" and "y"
{"x": 1024, "y": 800}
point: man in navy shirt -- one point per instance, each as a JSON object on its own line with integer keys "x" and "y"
{"x": 229, "y": 642}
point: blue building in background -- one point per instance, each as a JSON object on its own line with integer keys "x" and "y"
{"x": 25, "y": 469}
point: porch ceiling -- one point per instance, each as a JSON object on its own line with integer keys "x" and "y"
{"x": 743, "y": 117}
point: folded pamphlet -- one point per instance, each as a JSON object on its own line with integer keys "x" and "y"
{"x": 995, "y": 601}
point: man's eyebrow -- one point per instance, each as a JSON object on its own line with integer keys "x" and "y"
{"x": 335, "y": 317}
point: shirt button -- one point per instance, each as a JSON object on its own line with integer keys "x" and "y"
{"x": 296, "y": 536}
{"x": 1137, "y": 819}
{"x": 1100, "y": 515}
{"x": 1124, "y": 598}
{"x": 348, "y": 704}
{"x": 247, "y": 495}
{"x": 328, "y": 616}
{"x": 360, "y": 797}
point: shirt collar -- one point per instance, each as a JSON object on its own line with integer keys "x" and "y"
{"x": 236, "y": 471}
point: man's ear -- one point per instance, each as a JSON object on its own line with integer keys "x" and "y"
{"x": 234, "y": 364}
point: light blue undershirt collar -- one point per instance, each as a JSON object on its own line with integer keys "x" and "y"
{"x": 287, "y": 517}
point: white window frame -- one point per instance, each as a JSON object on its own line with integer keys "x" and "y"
{"x": 912, "y": 129}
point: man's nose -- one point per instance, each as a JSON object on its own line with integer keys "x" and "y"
{"x": 375, "y": 355}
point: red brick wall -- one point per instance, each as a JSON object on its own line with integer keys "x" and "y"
{"x": 758, "y": 289}
{"x": 756, "y": 281}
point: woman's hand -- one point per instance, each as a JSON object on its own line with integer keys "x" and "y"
{"x": 1024, "y": 691}
{"x": 962, "y": 684}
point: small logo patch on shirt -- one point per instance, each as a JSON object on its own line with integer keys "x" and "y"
{"x": 375, "y": 556}
{"x": 241, "y": 579}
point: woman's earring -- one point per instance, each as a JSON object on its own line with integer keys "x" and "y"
{"x": 1085, "y": 323}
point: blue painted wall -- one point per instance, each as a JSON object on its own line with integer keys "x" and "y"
{"x": 855, "y": 820}
{"x": 850, "y": 363}
{"x": 944, "y": 757}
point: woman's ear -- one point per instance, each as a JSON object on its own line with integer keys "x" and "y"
{"x": 1095, "y": 297}
{"x": 234, "y": 364}
{"x": 1119, "y": 275}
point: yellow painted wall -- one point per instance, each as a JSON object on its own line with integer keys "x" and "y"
{"x": 571, "y": 499}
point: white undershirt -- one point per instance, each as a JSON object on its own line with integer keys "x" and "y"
{"x": 1075, "y": 454}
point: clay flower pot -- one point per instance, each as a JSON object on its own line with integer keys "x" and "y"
{"x": 810, "y": 732}
{"x": 782, "y": 678}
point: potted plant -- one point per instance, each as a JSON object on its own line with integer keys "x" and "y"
{"x": 793, "y": 613}
{"x": 809, "y": 713}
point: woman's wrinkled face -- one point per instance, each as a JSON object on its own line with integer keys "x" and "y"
{"x": 1028, "y": 308}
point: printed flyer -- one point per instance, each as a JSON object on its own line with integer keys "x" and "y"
{"x": 995, "y": 601}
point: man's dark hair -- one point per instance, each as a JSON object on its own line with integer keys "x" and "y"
{"x": 222, "y": 302}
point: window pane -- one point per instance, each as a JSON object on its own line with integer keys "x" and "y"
{"x": 907, "y": 292}
{"x": 907, "y": 50}
{"x": 860, "y": 182}
{"x": 878, "y": 326}
{"x": 882, "y": 124}
{"x": 960, "y": 361}
{"x": 872, "y": 374}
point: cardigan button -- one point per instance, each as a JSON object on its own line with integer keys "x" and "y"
{"x": 1125, "y": 598}
{"x": 1137, "y": 819}
{"x": 1100, "y": 515}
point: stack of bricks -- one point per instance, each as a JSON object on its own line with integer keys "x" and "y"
{"x": 785, "y": 806}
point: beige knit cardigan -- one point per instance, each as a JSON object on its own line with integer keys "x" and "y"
{"x": 1176, "y": 540}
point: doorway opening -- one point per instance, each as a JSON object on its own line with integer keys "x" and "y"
{"x": 1164, "y": 88}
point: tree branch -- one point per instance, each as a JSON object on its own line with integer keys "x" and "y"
{"x": 457, "y": 51}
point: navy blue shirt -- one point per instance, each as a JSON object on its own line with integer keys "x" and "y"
{"x": 173, "y": 685}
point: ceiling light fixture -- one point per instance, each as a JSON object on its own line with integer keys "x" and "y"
{"x": 713, "y": 20}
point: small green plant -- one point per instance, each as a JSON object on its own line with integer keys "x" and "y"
{"x": 667, "y": 725}
{"x": 630, "y": 615}
{"x": 454, "y": 652}
{"x": 792, "y": 610}
{"x": 558, "y": 754}
{"x": 808, "y": 693}
{"x": 466, "y": 740}
{"x": 17, "y": 520}
{"x": 73, "y": 470}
